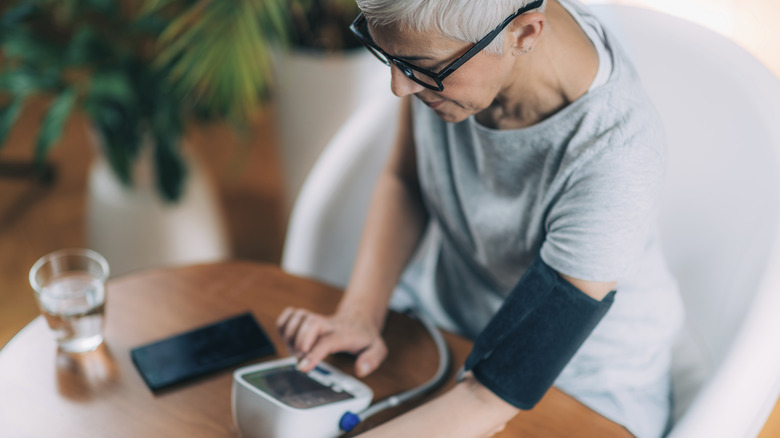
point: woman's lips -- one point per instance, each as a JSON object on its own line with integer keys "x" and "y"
{"x": 434, "y": 105}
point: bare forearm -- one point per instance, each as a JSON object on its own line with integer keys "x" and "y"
{"x": 469, "y": 410}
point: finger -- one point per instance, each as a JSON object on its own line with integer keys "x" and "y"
{"x": 293, "y": 323}
{"x": 370, "y": 359}
{"x": 281, "y": 324}
{"x": 281, "y": 321}
{"x": 324, "y": 346}
{"x": 311, "y": 329}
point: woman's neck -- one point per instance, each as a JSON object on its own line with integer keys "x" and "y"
{"x": 559, "y": 70}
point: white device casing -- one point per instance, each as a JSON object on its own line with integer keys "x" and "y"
{"x": 260, "y": 415}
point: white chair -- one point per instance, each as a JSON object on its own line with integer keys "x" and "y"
{"x": 720, "y": 216}
{"x": 327, "y": 218}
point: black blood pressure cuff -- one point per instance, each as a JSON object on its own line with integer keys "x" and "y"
{"x": 534, "y": 334}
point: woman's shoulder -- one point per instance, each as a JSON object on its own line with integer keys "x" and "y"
{"x": 620, "y": 115}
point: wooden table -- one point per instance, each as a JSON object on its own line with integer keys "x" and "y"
{"x": 48, "y": 393}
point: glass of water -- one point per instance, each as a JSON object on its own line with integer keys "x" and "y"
{"x": 69, "y": 286}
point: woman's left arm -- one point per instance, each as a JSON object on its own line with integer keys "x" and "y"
{"x": 468, "y": 410}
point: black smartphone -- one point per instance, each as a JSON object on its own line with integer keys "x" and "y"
{"x": 201, "y": 351}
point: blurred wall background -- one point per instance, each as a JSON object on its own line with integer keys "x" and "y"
{"x": 751, "y": 23}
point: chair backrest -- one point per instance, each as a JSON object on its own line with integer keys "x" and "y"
{"x": 327, "y": 218}
{"x": 719, "y": 221}
{"x": 717, "y": 224}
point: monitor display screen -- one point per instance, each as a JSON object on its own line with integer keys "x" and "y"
{"x": 294, "y": 388}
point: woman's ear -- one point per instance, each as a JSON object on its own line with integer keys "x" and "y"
{"x": 524, "y": 32}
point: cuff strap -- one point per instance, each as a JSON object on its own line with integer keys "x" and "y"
{"x": 534, "y": 334}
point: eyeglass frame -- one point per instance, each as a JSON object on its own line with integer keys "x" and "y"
{"x": 408, "y": 68}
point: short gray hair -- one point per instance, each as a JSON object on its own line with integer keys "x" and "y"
{"x": 462, "y": 20}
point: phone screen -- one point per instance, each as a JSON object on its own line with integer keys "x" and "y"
{"x": 201, "y": 351}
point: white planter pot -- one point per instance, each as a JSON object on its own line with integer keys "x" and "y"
{"x": 314, "y": 94}
{"x": 134, "y": 228}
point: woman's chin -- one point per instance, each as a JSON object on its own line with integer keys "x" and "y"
{"x": 451, "y": 116}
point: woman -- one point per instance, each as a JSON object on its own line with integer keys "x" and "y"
{"x": 520, "y": 195}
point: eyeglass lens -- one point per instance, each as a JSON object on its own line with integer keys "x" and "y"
{"x": 418, "y": 77}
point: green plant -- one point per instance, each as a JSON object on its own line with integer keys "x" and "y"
{"x": 144, "y": 68}
{"x": 137, "y": 70}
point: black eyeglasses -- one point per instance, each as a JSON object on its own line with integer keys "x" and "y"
{"x": 424, "y": 77}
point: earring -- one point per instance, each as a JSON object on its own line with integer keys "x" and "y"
{"x": 527, "y": 49}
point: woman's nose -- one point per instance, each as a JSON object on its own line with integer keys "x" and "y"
{"x": 400, "y": 84}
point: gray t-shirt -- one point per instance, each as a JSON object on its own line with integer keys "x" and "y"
{"x": 580, "y": 189}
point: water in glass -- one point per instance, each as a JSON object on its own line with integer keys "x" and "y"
{"x": 74, "y": 305}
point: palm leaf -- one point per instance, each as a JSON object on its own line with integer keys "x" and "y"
{"x": 15, "y": 15}
{"x": 86, "y": 48}
{"x": 22, "y": 81}
{"x": 20, "y": 43}
{"x": 64, "y": 10}
{"x": 185, "y": 33}
{"x": 169, "y": 168}
{"x": 53, "y": 123}
{"x": 252, "y": 40}
{"x": 274, "y": 17}
{"x": 108, "y": 7}
{"x": 151, "y": 6}
{"x": 117, "y": 125}
{"x": 166, "y": 129}
{"x": 9, "y": 115}
{"x": 69, "y": 10}
{"x": 191, "y": 22}
{"x": 114, "y": 109}
{"x": 149, "y": 24}
{"x": 217, "y": 51}
{"x": 111, "y": 84}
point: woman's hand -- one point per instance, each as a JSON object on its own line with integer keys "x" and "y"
{"x": 312, "y": 337}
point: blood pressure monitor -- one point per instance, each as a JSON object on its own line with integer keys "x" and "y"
{"x": 275, "y": 400}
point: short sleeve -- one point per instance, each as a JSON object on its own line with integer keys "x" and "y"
{"x": 603, "y": 216}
